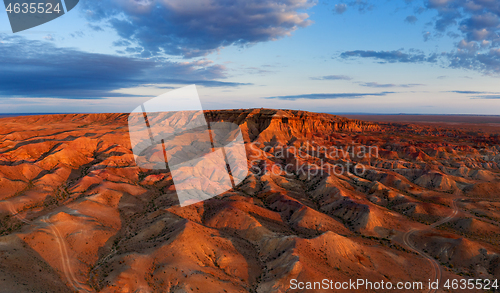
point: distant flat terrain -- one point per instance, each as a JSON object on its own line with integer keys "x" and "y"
{"x": 7, "y": 115}
{"x": 490, "y": 124}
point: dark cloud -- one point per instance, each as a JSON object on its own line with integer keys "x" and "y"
{"x": 378, "y": 85}
{"x": 332, "y": 77}
{"x": 419, "y": 10}
{"x": 489, "y": 97}
{"x": 391, "y": 56}
{"x": 467, "y": 56}
{"x": 468, "y": 92}
{"x": 470, "y": 56}
{"x": 480, "y": 94}
{"x": 477, "y": 19}
{"x": 478, "y": 22}
{"x": 331, "y": 96}
{"x": 475, "y": 92}
{"x": 453, "y": 35}
{"x": 388, "y": 85}
{"x": 40, "y": 69}
{"x": 446, "y": 20}
{"x": 362, "y": 5}
{"x": 192, "y": 28}
{"x": 95, "y": 28}
{"x": 340, "y": 8}
{"x": 412, "y": 19}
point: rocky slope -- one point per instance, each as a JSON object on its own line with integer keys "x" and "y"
{"x": 326, "y": 197}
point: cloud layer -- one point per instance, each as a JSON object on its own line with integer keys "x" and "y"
{"x": 40, "y": 69}
{"x": 332, "y": 77}
{"x": 391, "y": 56}
{"x": 478, "y": 23}
{"x": 193, "y": 28}
{"x": 411, "y": 19}
{"x": 330, "y": 96}
{"x": 340, "y": 8}
{"x": 388, "y": 85}
{"x": 475, "y": 23}
{"x": 480, "y": 94}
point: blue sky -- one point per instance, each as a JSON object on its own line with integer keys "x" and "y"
{"x": 395, "y": 56}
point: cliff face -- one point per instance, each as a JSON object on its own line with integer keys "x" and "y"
{"x": 77, "y": 213}
{"x": 288, "y": 124}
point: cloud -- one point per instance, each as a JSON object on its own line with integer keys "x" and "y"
{"x": 257, "y": 70}
{"x": 362, "y": 5}
{"x": 78, "y": 34}
{"x": 453, "y": 35}
{"x": 467, "y": 56}
{"x": 331, "y": 96}
{"x": 478, "y": 22}
{"x": 480, "y": 94}
{"x": 332, "y": 77}
{"x": 468, "y": 92}
{"x": 95, "y": 27}
{"x": 192, "y": 28}
{"x": 340, "y": 8}
{"x": 412, "y": 19}
{"x": 474, "y": 92}
{"x": 477, "y": 19}
{"x": 391, "y": 56}
{"x": 427, "y": 36}
{"x": 378, "y": 85}
{"x": 488, "y": 97}
{"x": 40, "y": 69}
{"x": 419, "y": 10}
{"x": 470, "y": 56}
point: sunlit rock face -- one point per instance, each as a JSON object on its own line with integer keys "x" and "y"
{"x": 323, "y": 197}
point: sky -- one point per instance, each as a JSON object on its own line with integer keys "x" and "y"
{"x": 355, "y": 56}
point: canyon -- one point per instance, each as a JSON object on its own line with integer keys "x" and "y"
{"x": 326, "y": 197}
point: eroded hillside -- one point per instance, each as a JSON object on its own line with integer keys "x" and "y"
{"x": 326, "y": 197}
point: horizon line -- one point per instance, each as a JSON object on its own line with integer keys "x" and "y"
{"x": 332, "y": 113}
